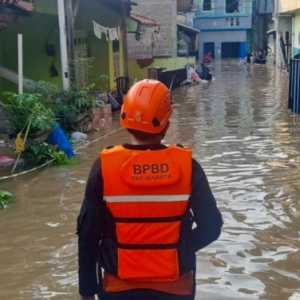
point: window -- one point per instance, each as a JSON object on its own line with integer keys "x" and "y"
{"x": 207, "y": 5}
{"x": 232, "y": 6}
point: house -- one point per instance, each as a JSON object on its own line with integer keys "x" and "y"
{"x": 167, "y": 40}
{"x": 11, "y": 12}
{"x": 287, "y": 29}
{"x": 95, "y": 39}
{"x": 287, "y": 26}
{"x": 225, "y": 27}
{"x": 281, "y": 33}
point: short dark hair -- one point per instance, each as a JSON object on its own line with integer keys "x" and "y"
{"x": 143, "y": 136}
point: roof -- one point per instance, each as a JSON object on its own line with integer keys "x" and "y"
{"x": 144, "y": 20}
{"x": 6, "y": 19}
{"x": 289, "y": 12}
{"x": 19, "y": 4}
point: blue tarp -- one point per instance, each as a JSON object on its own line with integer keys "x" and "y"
{"x": 58, "y": 138}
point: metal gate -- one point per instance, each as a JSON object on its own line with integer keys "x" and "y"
{"x": 294, "y": 86}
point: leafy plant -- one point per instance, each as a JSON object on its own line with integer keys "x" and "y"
{"x": 21, "y": 108}
{"x": 61, "y": 159}
{"x": 48, "y": 91}
{"x": 37, "y": 153}
{"x": 73, "y": 106}
{"x": 5, "y": 199}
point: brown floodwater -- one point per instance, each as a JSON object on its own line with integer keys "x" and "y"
{"x": 249, "y": 145}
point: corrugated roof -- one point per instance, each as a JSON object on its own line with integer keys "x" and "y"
{"x": 144, "y": 20}
{"x": 19, "y": 4}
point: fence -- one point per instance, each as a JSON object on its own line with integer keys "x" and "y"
{"x": 294, "y": 86}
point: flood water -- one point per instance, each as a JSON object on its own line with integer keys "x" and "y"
{"x": 249, "y": 145}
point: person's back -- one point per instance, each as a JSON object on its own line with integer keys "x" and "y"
{"x": 141, "y": 205}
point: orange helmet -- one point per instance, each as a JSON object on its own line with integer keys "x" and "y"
{"x": 147, "y": 107}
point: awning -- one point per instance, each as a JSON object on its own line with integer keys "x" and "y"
{"x": 289, "y": 12}
{"x": 18, "y": 4}
{"x": 144, "y": 20}
{"x": 188, "y": 28}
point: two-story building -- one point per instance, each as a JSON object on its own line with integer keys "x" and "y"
{"x": 96, "y": 48}
{"x": 166, "y": 37}
{"x": 225, "y": 27}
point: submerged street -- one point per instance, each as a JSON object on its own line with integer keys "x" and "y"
{"x": 249, "y": 145}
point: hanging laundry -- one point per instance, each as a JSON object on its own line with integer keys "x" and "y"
{"x": 113, "y": 34}
{"x": 110, "y": 34}
{"x": 99, "y": 30}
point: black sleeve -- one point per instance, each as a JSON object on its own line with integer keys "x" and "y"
{"x": 89, "y": 231}
{"x": 206, "y": 214}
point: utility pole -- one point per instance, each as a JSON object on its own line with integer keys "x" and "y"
{"x": 20, "y": 64}
{"x": 63, "y": 44}
{"x": 123, "y": 31}
{"x": 70, "y": 24}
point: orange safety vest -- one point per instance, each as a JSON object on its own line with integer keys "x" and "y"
{"x": 147, "y": 197}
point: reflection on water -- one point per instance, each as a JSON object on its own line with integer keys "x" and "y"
{"x": 249, "y": 145}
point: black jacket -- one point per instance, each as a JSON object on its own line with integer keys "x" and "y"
{"x": 90, "y": 221}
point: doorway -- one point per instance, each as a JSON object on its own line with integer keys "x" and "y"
{"x": 231, "y": 50}
{"x": 209, "y": 48}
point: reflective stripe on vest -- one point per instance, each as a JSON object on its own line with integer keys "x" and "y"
{"x": 152, "y": 198}
{"x": 147, "y": 193}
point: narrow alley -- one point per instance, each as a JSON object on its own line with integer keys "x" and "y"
{"x": 249, "y": 145}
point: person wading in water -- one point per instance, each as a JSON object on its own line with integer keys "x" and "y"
{"x": 147, "y": 210}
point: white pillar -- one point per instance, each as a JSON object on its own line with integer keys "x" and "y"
{"x": 20, "y": 64}
{"x": 63, "y": 44}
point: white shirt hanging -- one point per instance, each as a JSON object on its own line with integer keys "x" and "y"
{"x": 110, "y": 34}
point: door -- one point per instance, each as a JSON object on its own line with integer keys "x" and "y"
{"x": 82, "y": 61}
{"x": 231, "y": 50}
{"x": 209, "y": 48}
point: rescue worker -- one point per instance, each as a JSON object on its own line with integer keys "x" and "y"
{"x": 147, "y": 209}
